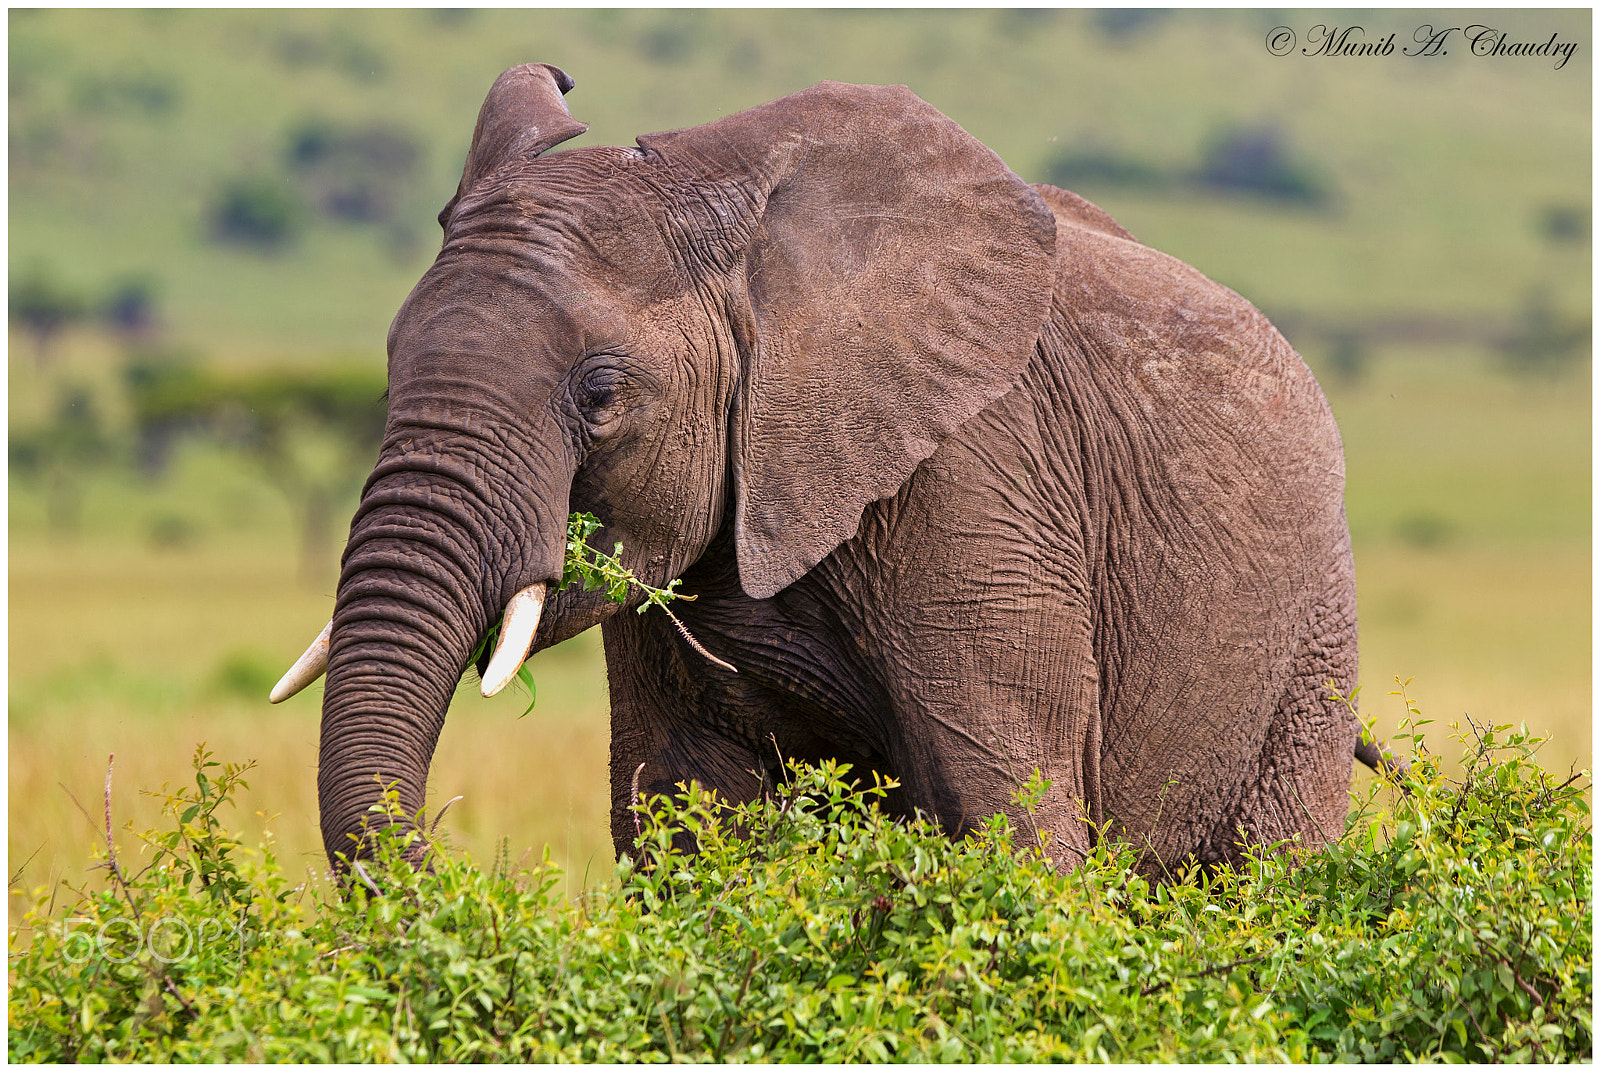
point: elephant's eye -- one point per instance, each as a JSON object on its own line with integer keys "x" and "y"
{"x": 596, "y": 393}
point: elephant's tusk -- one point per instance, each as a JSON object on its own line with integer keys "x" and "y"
{"x": 307, "y": 669}
{"x": 516, "y": 637}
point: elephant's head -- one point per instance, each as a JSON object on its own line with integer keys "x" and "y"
{"x": 766, "y": 322}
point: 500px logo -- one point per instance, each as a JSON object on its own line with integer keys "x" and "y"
{"x": 119, "y": 940}
{"x": 1427, "y": 41}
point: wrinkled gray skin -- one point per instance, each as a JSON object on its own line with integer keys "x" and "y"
{"x": 967, "y": 482}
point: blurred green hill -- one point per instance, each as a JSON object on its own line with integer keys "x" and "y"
{"x": 1447, "y": 187}
{"x": 214, "y": 215}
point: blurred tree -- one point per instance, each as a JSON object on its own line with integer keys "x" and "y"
{"x": 1566, "y": 225}
{"x": 671, "y": 36}
{"x": 1091, "y": 165}
{"x": 1021, "y": 23}
{"x": 130, "y": 309}
{"x": 1348, "y": 357}
{"x": 338, "y": 48}
{"x": 138, "y": 91}
{"x": 260, "y": 211}
{"x": 1543, "y": 342}
{"x": 313, "y": 433}
{"x": 1256, "y": 160}
{"x": 43, "y": 305}
{"x": 60, "y": 456}
{"x": 361, "y": 174}
{"x": 1424, "y": 531}
{"x": 1123, "y": 25}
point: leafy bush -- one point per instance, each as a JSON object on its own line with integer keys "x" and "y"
{"x": 1452, "y": 921}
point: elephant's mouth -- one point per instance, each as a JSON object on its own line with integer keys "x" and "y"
{"x": 524, "y": 627}
{"x": 517, "y": 630}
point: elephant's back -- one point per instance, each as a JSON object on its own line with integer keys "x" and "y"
{"x": 1214, "y": 484}
{"x": 1192, "y": 398}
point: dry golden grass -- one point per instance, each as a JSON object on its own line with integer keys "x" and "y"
{"x": 145, "y": 654}
{"x": 1501, "y": 636}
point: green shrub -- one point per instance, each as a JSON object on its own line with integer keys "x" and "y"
{"x": 1451, "y": 922}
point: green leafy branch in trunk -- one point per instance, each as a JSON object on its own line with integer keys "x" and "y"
{"x": 596, "y": 570}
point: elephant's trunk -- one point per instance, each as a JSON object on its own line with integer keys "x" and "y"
{"x": 428, "y": 567}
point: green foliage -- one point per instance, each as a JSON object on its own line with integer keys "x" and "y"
{"x": 594, "y": 570}
{"x": 1451, "y": 922}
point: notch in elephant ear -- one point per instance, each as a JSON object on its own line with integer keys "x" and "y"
{"x": 898, "y": 276}
{"x": 524, "y": 114}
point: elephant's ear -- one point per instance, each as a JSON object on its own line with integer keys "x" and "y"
{"x": 523, "y": 115}
{"x": 898, "y": 276}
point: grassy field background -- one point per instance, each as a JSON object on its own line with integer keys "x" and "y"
{"x": 163, "y": 615}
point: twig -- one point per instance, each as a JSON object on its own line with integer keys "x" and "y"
{"x": 187, "y": 1007}
{"x": 696, "y": 645}
{"x": 24, "y": 867}
{"x": 638, "y": 828}
{"x": 331, "y": 952}
{"x": 672, "y": 1043}
{"x": 1531, "y": 992}
{"x": 361, "y": 873}
{"x": 435, "y": 827}
{"x": 85, "y": 811}
{"x": 727, "y": 1030}
{"x": 1153, "y": 987}
{"x": 1472, "y": 769}
{"x": 111, "y": 847}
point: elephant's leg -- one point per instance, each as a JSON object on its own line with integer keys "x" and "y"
{"x": 1301, "y": 788}
{"x": 661, "y": 730}
{"x": 1016, "y": 694}
{"x": 979, "y": 617}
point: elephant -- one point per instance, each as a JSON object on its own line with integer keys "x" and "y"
{"x": 966, "y": 481}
